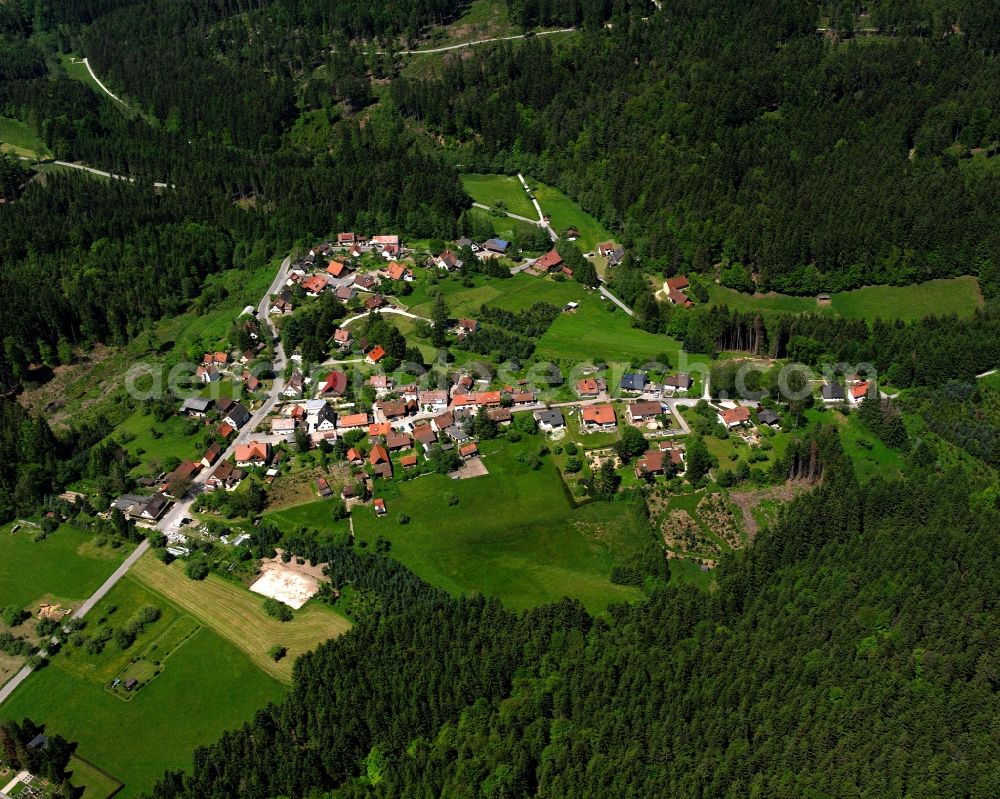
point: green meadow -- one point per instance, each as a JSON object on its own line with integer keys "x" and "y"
{"x": 959, "y": 295}
{"x": 507, "y": 189}
{"x": 19, "y": 139}
{"x": 65, "y": 565}
{"x": 153, "y": 442}
{"x": 206, "y": 687}
{"x": 563, "y": 212}
{"x": 511, "y": 534}
{"x": 316, "y": 515}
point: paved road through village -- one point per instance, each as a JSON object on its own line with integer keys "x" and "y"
{"x": 180, "y": 509}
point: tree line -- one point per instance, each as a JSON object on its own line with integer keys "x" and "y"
{"x": 730, "y": 133}
{"x": 866, "y": 603}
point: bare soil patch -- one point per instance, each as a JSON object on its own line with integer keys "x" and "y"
{"x": 291, "y": 583}
{"x": 300, "y": 486}
{"x": 746, "y": 501}
{"x": 469, "y": 469}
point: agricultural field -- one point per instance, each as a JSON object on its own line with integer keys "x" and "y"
{"x": 958, "y": 296}
{"x": 65, "y": 566}
{"x": 238, "y": 616}
{"x": 493, "y": 189}
{"x": 598, "y": 330}
{"x": 208, "y": 686}
{"x": 115, "y": 611}
{"x": 563, "y": 212}
{"x": 19, "y": 139}
{"x": 510, "y": 534}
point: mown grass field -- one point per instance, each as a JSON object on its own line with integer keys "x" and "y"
{"x": 958, "y": 296}
{"x": 237, "y": 615}
{"x": 505, "y": 227}
{"x": 94, "y": 783}
{"x": 512, "y": 534}
{"x": 492, "y": 189}
{"x": 19, "y": 139}
{"x": 208, "y": 686}
{"x": 564, "y": 212}
{"x": 598, "y": 330}
{"x": 64, "y": 565}
{"x": 115, "y": 611}
{"x": 316, "y": 515}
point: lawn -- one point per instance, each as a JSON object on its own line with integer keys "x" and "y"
{"x": 870, "y": 456}
{"x": 95, "y": 783}
{"x": 958, "y": 295}
{"x": 209, "y": 686}
{"x": 461, "y": 300}
{"x": 237, "y": 615}
{"x": 684, "y": 572}
{"x": 563, "y": 212}
{"x": 115, "y": 611}
{"x": 507, "y": 189}
{"x": 64, "y": 565}
{"x": 314, "y": 515}
{"x": 505, "y": 227}
{"x": 511, "y": 534}
{"x": 75, "y": 69}
{"x": 596, "y": 332}
{"x": 152, "y": 442}
{"x": 771, "y": 302}
{"x": 18, "y": 138}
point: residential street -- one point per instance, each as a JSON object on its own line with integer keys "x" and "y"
{"x": 171, "y": 520}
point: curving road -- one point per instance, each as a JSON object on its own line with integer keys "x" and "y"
{"x": 104, "y": 174}
{"x": 396, "y": 311}
{"x": 97, "y": 80}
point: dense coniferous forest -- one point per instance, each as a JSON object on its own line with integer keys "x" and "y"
{"x": 850, "y": 652}
{"x": 732, "y": 131}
